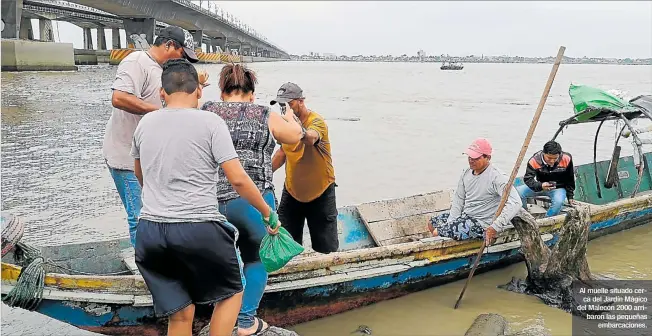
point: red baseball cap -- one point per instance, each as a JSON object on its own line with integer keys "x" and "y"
{"x": 479, "y": 147}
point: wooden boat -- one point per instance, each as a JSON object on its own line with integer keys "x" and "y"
{"x": 385, "y": 252}
{"x": 451, "y": 65}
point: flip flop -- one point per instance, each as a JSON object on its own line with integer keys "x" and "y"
{"x": 271, "y": 330}
{"x": 205, "y": 331}
{"x": 259, "y": 329}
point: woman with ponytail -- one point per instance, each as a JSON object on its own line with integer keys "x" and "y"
{"x": 255, "y": 129}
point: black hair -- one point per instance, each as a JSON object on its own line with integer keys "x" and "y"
{"x": 552, "y": 147}
{"x": 235, "y": 77}
{"x": 163, "y": 40}
{"x": 179, "y": 76}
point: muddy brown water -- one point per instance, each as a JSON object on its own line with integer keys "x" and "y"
{"x": 396, "y": 130}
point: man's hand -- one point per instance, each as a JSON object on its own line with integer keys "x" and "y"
{"x": 203, "y": 78}
{"x": 273, "y": 231}
{"x": 547, "y": 186}
{"x": 490, "y": 235}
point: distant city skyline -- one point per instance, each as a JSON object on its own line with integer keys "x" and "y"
{"x": 423, "y": 57}
{"x": 528, "y": 29}
{"x": 424, "y": 54}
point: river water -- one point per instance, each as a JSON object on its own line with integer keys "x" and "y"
{"x": 414, "y": 123}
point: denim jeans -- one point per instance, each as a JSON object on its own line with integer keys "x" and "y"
{"x": 557, "y": 196}
{"x": 251, "y": 232}
{"x": 129, "y": 190}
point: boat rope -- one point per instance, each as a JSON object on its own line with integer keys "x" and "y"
{"x": 27, "y": 293}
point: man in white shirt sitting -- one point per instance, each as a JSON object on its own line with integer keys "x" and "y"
{"x": 476, "y": 200}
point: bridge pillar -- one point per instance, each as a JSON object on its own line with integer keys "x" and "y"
{"x": 197, "y": 36}
{"x": 219, "y": 44}
{"x": 144, "y": 28}
{"x": 101, "y": 38}
{"x": 88, "y": 39}
{"x": 12, "y": 12}
{"x": 45, "y": 30}
{"x": 26, "y": 31}
{"x": 216, "y": 48}
{"x": 115, "y": 36}
{"x": 235, "y": 47}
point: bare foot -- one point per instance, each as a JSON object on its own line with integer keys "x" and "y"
{"x": 432, "y": 229}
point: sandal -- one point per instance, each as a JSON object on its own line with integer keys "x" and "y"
{"x": 271, "y": 330}
{"x": 259, "y": 329}
{"x": 205, "y": 331}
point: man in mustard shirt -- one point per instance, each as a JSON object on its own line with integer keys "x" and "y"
{"x": 309, "y": 190}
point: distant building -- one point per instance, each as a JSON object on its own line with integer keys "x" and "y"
{"x": 421, "y": 53}
{"x": 330, "y": 56}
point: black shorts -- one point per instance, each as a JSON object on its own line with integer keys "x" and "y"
{"x": 184, "y": 263}
{"x": 321, "y": 214}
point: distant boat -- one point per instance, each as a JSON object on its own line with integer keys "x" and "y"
{"x": 451, "y": 66}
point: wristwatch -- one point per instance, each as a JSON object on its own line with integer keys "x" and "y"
{"x": 303, "y": 132}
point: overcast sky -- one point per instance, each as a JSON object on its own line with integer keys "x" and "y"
{"x": 594, "y": 29}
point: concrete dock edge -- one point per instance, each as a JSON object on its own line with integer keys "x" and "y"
{"x": 24, "y": 55}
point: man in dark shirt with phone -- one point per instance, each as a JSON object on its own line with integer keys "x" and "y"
{"x": 550, "y": 173}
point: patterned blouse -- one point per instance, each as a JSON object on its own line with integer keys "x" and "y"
{"x": 252, "y": 140}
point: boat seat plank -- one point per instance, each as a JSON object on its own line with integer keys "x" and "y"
{"x": 405, "y": 219}
{"x": 405, "y": 207}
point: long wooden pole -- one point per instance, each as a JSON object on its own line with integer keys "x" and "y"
{"x": 517, "y": 164}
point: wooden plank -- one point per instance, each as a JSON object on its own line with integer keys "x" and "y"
{"x": 406, "y": 239}
{"x": 392, "y": 230}
{"x": 407, "y": 206}
{"x": 371, "y": 232}
{"x": 129, "y": 259}
{"x": 79, "y": 296}
{"x": 143, "y": 301}
{"x": 337, "y": 278}
{"x": 391, "y": 221}
{"x": 512, "y": 245}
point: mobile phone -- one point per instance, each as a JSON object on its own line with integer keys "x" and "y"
{"x": 283, "y": 108}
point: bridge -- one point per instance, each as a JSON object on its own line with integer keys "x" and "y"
{"x": 213, "y": 30}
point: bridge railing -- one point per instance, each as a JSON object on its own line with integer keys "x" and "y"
{"x": 73, "y": 5}
{"x": 224, "y": 16}
{"x": 230, "y": 20}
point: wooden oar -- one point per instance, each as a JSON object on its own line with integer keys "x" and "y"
{"x": 518, "y": 162}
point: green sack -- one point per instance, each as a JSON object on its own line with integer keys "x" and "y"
{"x": 596, "y": 101}
{"x": 277, "y": 250}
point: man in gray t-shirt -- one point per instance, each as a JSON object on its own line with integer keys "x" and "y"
{"x": 185, "y": 248}
{"x": 476, "y": 200}
{"x": 136, "y": 91}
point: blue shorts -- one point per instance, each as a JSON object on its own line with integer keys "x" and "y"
{"x": 186, "y": 263}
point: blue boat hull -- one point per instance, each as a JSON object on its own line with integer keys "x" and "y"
{"x": 284, "y": 308}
